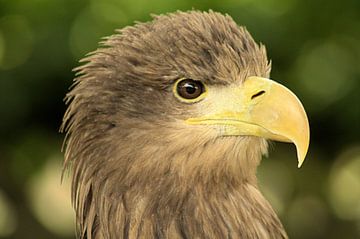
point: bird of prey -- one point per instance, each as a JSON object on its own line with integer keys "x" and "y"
{"x": 166, "y": 124}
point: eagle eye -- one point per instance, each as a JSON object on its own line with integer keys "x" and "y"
{"x": 189, "y": 90}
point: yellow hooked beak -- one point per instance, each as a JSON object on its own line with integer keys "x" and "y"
{"x": 260, "y": 107}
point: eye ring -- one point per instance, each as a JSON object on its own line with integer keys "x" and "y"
{"x": 189, "y": 90}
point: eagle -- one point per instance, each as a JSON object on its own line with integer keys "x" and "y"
{"x": 165, "y": 126}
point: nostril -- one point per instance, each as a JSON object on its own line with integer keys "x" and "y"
{"x": 258, "y": 94}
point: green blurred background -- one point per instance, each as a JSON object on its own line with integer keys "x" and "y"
{"x": 315, "y": 50}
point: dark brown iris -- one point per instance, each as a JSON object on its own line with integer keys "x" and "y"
{"x": 190, "y": 89}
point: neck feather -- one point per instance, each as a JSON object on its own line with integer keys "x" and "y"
{"x": 198, "y": 189}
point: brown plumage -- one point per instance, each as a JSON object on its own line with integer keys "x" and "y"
{"x": 138, "y": 170}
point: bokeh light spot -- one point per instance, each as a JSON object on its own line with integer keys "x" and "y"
{"x": 325, "y": 71}
{"x": 344, "y": 185}
{"x": 50, "y": 200}
{"x": 17, "y": 41}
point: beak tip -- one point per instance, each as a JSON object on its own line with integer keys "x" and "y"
{"x": 301, "y": 159}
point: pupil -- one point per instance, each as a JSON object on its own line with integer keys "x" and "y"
{"x": 190, "y": 88}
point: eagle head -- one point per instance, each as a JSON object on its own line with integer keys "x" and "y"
{"x": 166, "y": 124}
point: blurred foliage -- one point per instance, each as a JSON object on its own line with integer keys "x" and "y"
{"x": 315, "y": 51}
